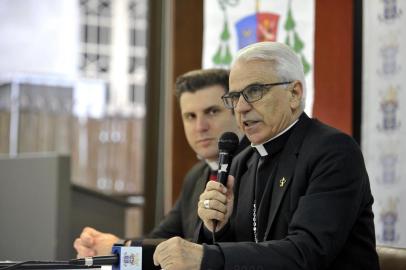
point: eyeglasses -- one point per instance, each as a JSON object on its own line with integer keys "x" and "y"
{"x": 251, "y": 93}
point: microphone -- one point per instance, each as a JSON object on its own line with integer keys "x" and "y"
{"x": 97, "y": 260}
{"x": 228, "y": 144}
{"x": 122, "y": 258}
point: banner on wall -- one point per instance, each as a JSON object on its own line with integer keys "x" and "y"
{"x": 383, "y": 107}
{"x": 230, "y": 25}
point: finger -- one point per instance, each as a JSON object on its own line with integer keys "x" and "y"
{"x": 168, "y": 266}
{"x": 219, "y": 206}
{"x": 213, "y": 195}
{"x": 214, "y": 185}
{"x": 159, "y": 251}
{"x": 87, "y": 236}
{"x": 77, "y": 244}
{"x": 210, "y": 214}
{"x": 91, "y": 231}
{"x": 82, "y": 251}
{"x": 169, "y": 252}
{"x": 162, "y": 257}
{"x": 155, "y": 257}
{"x": 214, "y": 205}
{"x": 209, "y": 225}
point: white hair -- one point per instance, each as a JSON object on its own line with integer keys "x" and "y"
{"x": 286, "y": 63}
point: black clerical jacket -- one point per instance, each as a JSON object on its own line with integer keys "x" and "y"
{"x": 320, "y": 214}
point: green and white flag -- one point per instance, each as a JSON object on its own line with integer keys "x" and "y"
{"x": 230, "y": 25}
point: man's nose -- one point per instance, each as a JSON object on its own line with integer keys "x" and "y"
{"x": 202, "y": 124}
{"x": 242, "y": 105}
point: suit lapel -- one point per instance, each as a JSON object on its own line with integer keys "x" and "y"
{"x": 200, "y": 185}
{"x": 243, "y": 208}
{"x": 285, "y": 170}
{"x": 201, "y": 182}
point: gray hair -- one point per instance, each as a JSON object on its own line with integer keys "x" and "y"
{"x": 287, "y": 64}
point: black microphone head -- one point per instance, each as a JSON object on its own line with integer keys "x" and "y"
{"x": 228, "y": 142}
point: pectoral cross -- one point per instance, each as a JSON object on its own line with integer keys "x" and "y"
{"x": 282, "y": 182}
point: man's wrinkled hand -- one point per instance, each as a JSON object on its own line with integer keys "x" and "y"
{"x": 216, "y": 203}
{"x": 178, "y": 254}
{"x": 91, "y": 242}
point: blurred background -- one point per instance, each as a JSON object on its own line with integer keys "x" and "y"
{"x": 90, "y": 131}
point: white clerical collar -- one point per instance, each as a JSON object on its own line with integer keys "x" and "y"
{"x": 261, "y": 148}
{"x": 214, "y": 166}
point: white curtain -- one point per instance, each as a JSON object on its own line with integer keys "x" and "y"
{"x": 384, "y": 107}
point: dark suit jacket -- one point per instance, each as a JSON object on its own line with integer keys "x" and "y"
{"x": 320, "y": 218}
{"x": 182, "y": 219}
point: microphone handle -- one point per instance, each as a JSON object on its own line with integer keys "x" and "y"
{"x": 97, "y": 260}
{"x": 224, "y": 167}
{"x": 222, "y": 176}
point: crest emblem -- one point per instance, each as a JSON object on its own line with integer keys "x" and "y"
{"x": 257, "y": 27}
{"x": 389, "y": 218}
{"x": 389, "y": 54}
{"x": 390, "y": 11}
{"x": 389, "y": 163}
{"x": 389, "y": 109}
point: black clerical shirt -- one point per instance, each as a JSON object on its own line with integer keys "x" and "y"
{"x": 268, "y": 162}
{"x": 265, "y": 177}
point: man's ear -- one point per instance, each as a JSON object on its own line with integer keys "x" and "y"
{"x": 296, "y": 95}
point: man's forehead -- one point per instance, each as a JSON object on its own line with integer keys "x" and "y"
{"x": 200, "y": 100}
{"x": 245, "y": 73}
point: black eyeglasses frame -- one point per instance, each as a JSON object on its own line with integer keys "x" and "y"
{"x": 233, "y": 97}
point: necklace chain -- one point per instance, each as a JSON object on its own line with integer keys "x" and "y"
{"x": 254, "y": 221}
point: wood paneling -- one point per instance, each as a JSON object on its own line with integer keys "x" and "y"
{"x": 154, "y": 76}
{"x": 333, "y": 63}
{"x": 188, "y": 41}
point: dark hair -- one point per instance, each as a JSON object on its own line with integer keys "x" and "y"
{"x": 195, "y": 80}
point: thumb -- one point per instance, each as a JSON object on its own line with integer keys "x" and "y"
{"x": 88, "y": 235}
{"x": 155, "y": 256}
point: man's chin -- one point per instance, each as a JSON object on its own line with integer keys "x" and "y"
{"x": 256, "y": 139}
{"x": 208, "y": 154}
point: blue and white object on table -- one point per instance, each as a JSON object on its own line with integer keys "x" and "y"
{"x": 130, "y": 258}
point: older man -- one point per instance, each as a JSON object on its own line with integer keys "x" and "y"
{"x": 301, "y": 198}
{"x": 204, "y": 119}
